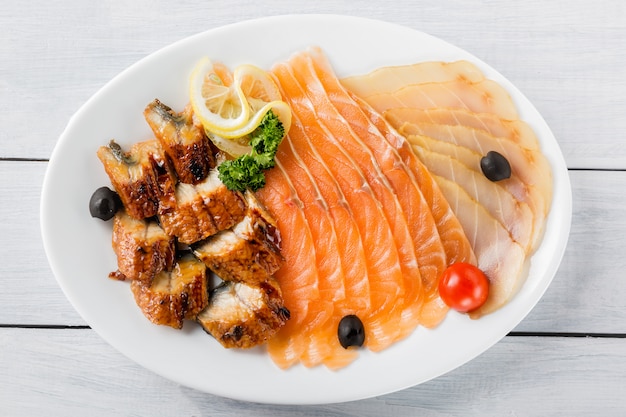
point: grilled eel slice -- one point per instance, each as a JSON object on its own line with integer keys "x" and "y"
{"x": 143, "y": 249}
{"x": 140, "y": 176}
{"x": 249, "y": 252}
{"x": 183, "y": 140}
{"x": 175, "y": 295}
{"x": 147, "y": 186}
{"x": 201, "y": 210}
{"x": 243, "y": 316}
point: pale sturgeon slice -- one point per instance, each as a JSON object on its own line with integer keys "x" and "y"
{"x": 486, "y": 96}
{"x": 502, "y": 259}
{"x": 515, "y": 130}
{"x": 515, "y": 216}
{"x": 515, "y": 186}
{"x": 395, "y": 77}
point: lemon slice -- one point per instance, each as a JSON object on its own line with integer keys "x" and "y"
{"x": 235, "y": 145}
{"x": 256, "y": 84}
{"x": 219, "y": 107}
{"x": 280, "y": 108}
{"x": 232, "y": 147}
{"x": 262, "y": 94}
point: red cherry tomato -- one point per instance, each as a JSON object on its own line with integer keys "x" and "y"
{"x": 463, "y": 287}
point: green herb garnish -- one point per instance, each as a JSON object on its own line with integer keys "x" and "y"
{"x": 246, "y": 172}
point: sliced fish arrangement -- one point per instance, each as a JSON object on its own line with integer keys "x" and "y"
{"x": 381, "y": 182}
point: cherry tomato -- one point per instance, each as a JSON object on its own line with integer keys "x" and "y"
{"x": 463, "y": 287}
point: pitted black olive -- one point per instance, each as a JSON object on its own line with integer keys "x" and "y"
{"x": 104, "y": 203}
{"x": 351, "y": 332}
{"x": 495, "y": 166}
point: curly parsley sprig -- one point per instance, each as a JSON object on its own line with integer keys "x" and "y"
{"x": 247, "y": 171}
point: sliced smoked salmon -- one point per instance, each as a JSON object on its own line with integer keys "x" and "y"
{"x": 456, "y": 245}
{"x": 371, "y": 148}
{"x": 382, "y": 261}
{"x": 298, "y": 278}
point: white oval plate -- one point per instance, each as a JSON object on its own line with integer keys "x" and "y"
{"x": 79, "y": 247}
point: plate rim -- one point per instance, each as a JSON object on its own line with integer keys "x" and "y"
{"x": 46, "y": 197}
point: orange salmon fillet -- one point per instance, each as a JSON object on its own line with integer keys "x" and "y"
{"x": 382, "y": 261}
{"x": 331, "y": 279}
{"x": 415, "y": 232}
{"x": 299, "y": 158}
{"x": 350, "y": 144}
{"x": 456, "y": 245}
{"x": 298, "y": 278}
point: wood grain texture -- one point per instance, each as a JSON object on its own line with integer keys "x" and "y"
{"x": 65, "y": 372}
{"x": 30, "y": 293}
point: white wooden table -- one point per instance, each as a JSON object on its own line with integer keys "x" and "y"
{"x": 568, "y": 357}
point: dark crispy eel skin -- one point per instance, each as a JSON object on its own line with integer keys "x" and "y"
{"x": 175, "y": 295}
{"x": 143, "y": 249}
{"x": 183, "y": 140}
{"x": 202, "y": 210}
{"x": 249, "y": 252}
{"x": 243, "y": 316}
{"x": 140, "y": 176}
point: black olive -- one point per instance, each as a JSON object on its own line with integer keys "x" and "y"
{"x": 351, "y": 331}
{"x": 104, "y": 203}
{"x": 495, "y": 166}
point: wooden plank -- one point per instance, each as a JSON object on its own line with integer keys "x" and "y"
{"x": 30, "y": 293}
{"x": 555, "y": 58}
{"x": 60, "y": 372}
{"x": 587, "y": 293}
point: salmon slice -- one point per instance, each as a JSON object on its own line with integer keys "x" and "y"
{"x": 381, "y": 257}
{"x": 321, "y": 344}
{"x": 416, "y": 234}
{"x": 298, "y": 277}
{"x": 331, "y": 274}
{"x": 387, "y": 178}
{"x": 382, "y": 262}
{"x": 513, "y": 214}
{"x": 456, "y": 245}
{"x": 502, "y": 259}
{"x": 515, "y": 130}
{"x": 531, "y": 168}
{"x": 485, "y": 96}
{"x": 392, "y": 78}
{"x": 350, "y": 143}
{"x": 313, "y": 345}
